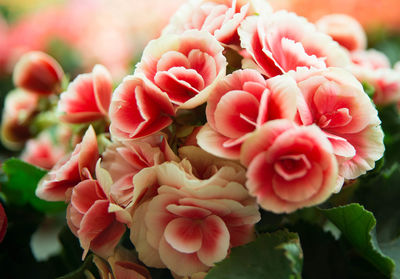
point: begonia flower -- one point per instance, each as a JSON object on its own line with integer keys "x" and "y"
{"x": 373, "y": 67}
{"x": 289, "y": 167}
{"x": 87, "y": 98}
{"x": 241, "y": 103}
{"x": 194, "y": 220}
{"x": 70, "y": 170}
{"x": 19, "y": 109}
{"x": 139, "y": 109}
{"x": 370, "y": 59}
{"x": 42, "y": 151}
{"x": 220, "y": 18}
{"x": 89, "y": 218}
{"x": 284, "y": 41}
{"x": 344, "y": 29}
{"x": 123, "y": 160}
{"x": 336, "y": 102}
{"x": 186, "y": 67}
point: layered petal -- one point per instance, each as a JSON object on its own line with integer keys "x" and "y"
{"x": 87, "y": 98}
{"x": 241, "y": 103}
{"x": 289, "y": 167}
{"x": 138, "y": 109}
{"x": 70, "y": 170}
{"x": 334, "y": 100}
{"x": 201, "y": 204}
{"x": 185, "y": 67}
{"x": 284, "y": 41}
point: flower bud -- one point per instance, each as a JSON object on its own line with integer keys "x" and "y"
{"x": 38, "y": 73}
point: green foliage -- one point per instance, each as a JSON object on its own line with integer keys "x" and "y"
{"x": 272, "y": 255}
{"x": 358, "y": 226}
{"x": 328, "y": 257}
{"x": 20, "y": 185}
{"x": 80, "y": 272}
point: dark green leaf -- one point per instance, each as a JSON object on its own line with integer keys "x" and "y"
{"x": 392, "y": 249}
{"x": 88, "y": 265}
{"x": 358, "y": 227}
{"x": 329, "y": 258}
{"x": 272, "y": 255}
{"x": 21, "y": 185}
{"x": 380, "y": 195}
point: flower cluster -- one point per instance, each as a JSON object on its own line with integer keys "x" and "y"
{"x": 233, "y": 108}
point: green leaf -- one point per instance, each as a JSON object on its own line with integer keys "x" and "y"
{"x": 21, "y": 185}
{"x": 272, "y": 255}
{"x": 392, "y": 249}
{"x": 330, "y": 258}
{"x": 379, "y": 195}
{"x": 358, "y": 227}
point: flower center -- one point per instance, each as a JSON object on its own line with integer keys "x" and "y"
{"x": 339, "y": 118}
{"x": 291, "y": 167}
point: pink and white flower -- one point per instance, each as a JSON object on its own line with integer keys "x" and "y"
{"x": 220, "y": 18}
{"x": 186, "y": 67}
{"x": 336, "y": 102}
{"x": 139, "y": 109}
{"x": 193, "y": 221}
{"x": 284, "y": 41}
{"x": 373, "y": 67}
{"x": 89, "y": 218}
{"x": 289, "y": 167}
{"x": 241, "y": 103}
{"x": 87, "y": 98}
{"x": 370, "y": 59}
{"x": 70, "y": 170}
{"x": 123, "y": 160}
{"x": 38, "y": 73}
{"x": 19, "y": 109}
{"x": 344, "y": 29}
{"x": 42, "y": 151}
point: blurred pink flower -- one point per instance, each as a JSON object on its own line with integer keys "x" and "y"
{"x": 19, "y": 109}
{"x": 373, "y": 67}
{"x": 43, "y": 152}
{"x": 38, "y": 73}
{"x": 343, "y": 29}
{"x": 370, "y": 59}
{"x": 109, "y": 33}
